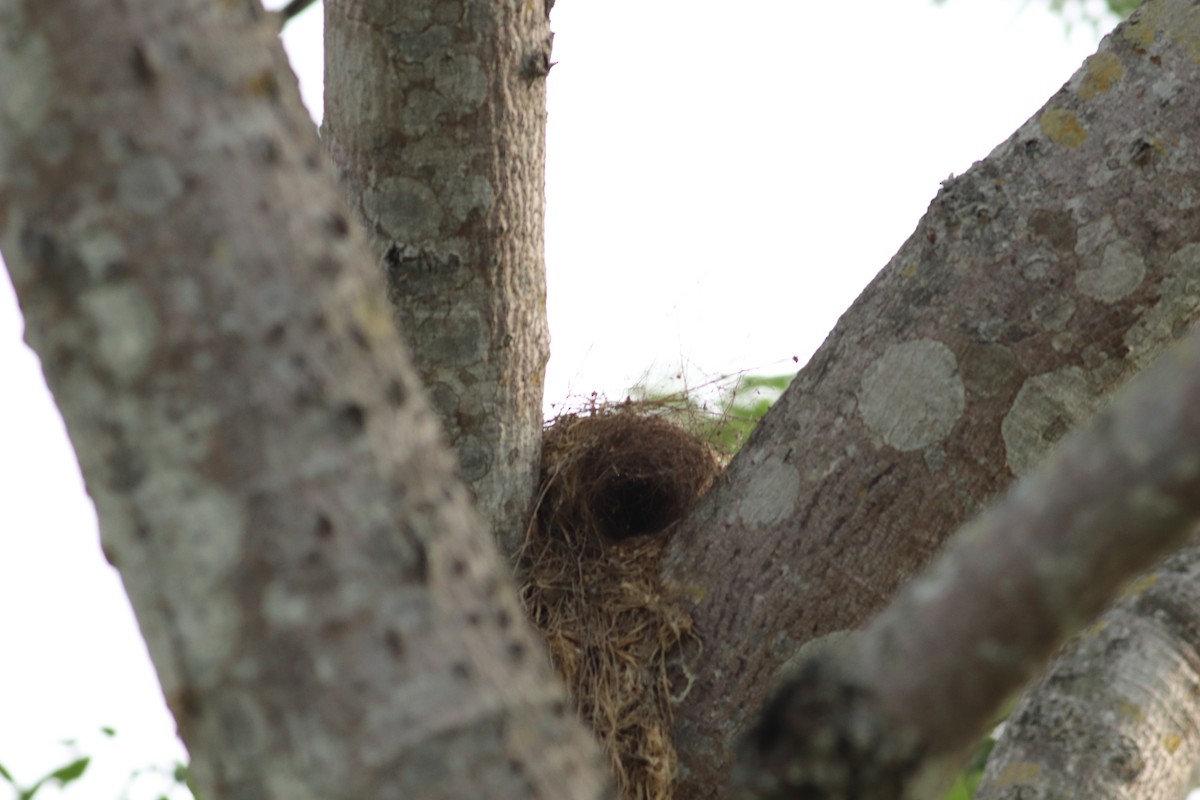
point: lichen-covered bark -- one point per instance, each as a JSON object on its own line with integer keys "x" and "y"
{"x": 326, "y": 614}
{"x": 926, "y": 677}
{"x": 1038, "y": 281}
{"x": 435, "y": 115}
{"x": 1118, "y": 714}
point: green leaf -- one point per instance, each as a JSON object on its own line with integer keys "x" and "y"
{"x": 107, "y": 731}
{"x": 1123, "y": 8}
{"x": 27, "y": 794}
{"x": 72, "y": 771}
{"x": 7, "y": 775}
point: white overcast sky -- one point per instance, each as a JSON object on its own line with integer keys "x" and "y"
{"x": 722, "y": 181}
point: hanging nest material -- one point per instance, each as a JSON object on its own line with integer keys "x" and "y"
{"x": 613, "y": 484}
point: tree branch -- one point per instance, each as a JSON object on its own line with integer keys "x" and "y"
{"x": 438, "y": 133}
{"x": 292, "y": 10}
{"x": 325, "y": 611}
{"x": 1116, "y": 714}
{"x": 1037, "y": 282}
{"x": 929, "y": 674}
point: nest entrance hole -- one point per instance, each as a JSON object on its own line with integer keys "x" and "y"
{"x": 634, "y": 507}
{"x": 620, "y": 474}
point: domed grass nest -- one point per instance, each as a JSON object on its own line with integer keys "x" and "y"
{"x": 613, "y": 484}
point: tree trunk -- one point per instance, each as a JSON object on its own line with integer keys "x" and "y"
{"x": 325, "y": 612}
{"x": 1037, "y": 282}
{"x": 435, "y": 116}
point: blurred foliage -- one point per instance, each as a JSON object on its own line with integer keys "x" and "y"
{"x": 62, "y": 776}
{"x": 1087, "y": 9}
{"x": 965, "y": 785}
{"x": 725, "y": 419}
{"x": 1123, "y": 8}
{"x": 174, "y": 780}
{"x": 1093, "y": 12}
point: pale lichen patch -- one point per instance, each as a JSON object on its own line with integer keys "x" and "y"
{"x": 24, "y": 102}
{"x": 1120, "y": 271}
{"x": 283, "y": 608}
{"x": 1052, "y": 312}
{"x": 422, "y": 108}
{"x": 101, "y": 253}
{"x": 1046, "y": 407}
{"x": 1036, "y": 268}
{"x": 127, "y": 325}
{"x": 283, "y": 780}
{"x": 1179, "y": 296}
{"x": 475, "y": 457}
{"x": 147, "y": 185}
{"x": 912, "y": 395}
{"x": 772, "y": 497}
{"x": 201, "y": 529}
{"x": 465, "y": 84}
{"x": 474, "y": 196}
{"x": 406, "y": 210}
{"x": 460, "y": 338}
{"x": 1094, "y": 235}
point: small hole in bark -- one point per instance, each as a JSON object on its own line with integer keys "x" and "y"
{"x": 359, "y": 338}
{"x": 352, "y": 418}
{"x": 324, "y": 527}
{"x": 396, "y": 394}
{"x": 141, "y": 66}
{"x": 337, "y": 225}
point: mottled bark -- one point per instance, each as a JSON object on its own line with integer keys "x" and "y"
{"x": 326, "y": 614}
{"x": 1037, "y": 282}
{"x": 927, "y": 676}
{"x": 435, "y": 116}
{"x": 1118, "y": 714}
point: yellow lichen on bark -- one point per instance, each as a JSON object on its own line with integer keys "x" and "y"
{"x": 1102, "y": 72}
{"x": 1154, "y": 20}
{"x": 1063, "y": 127}
{"x": 1019, "y": 772}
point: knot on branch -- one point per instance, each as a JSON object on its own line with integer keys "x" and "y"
{"x": 822, "y": 737}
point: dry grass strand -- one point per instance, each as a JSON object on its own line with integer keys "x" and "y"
{"x": 614, "y": 482}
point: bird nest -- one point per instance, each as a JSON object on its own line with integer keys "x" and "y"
{"x": 613, "y": 484}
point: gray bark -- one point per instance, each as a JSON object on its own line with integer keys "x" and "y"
{"x": 928, "y": 675}
{"x": 435, "y": 116}
{"x": 1118, "y": 714}
{"x": 1038, "y": 281}
{"x": 327, "y": 616}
